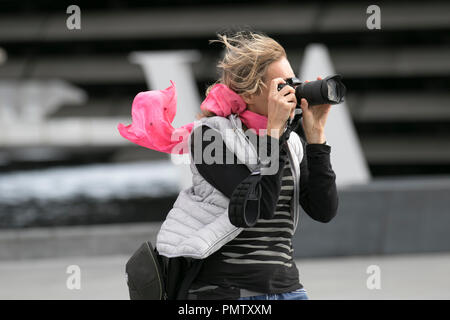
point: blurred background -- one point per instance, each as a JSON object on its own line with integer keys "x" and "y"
{"x": 74, "y": 192}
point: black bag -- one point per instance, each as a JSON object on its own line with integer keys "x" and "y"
{"x": 151, "y": 276}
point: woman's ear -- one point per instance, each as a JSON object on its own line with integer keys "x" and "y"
{"x": 248, "y": 98}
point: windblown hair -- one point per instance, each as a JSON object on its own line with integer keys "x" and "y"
{"x": 245, "y": 62}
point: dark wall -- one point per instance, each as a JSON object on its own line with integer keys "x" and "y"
{"x": 397, "y": 77}
{"x": 384, "y": 217}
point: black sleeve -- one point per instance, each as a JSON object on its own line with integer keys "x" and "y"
{"x": 318, "y": 194}
{"x": 226, "y": 177}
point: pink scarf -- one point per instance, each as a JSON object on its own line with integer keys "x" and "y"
{"x": 153, "y": 111}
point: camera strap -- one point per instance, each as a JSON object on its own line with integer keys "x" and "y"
{"x": 292, "y": 125}
{"x": 245, "y": 201}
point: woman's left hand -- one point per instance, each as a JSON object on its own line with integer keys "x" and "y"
{"x": 314, "y": 119}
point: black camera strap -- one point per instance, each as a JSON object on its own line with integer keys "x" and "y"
{"x": 292, "y": 124}
{"x": 245, "y": 201}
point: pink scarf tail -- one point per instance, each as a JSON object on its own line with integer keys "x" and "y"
{"x": 152, "y": 113}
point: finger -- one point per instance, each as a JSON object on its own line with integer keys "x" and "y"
{"x": 274, "y": 85}
{"x": 286, "y": 90}
{"x": 289, "y": 107}
{"x": 319, "y": 78}
{"x": 292, "y": 113}
{"x": 304, "y": 105}
{"x": 290, "y": 97}
{"x": 294, "y": 106}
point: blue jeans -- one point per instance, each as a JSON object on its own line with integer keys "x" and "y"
{"x": 299, "y": 294}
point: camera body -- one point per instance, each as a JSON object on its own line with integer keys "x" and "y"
{"x": 330, "y": 90}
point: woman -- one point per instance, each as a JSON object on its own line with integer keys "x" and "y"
{"x": 253, "y": 262}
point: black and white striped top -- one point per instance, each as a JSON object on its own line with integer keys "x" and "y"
{"x": 269, "y": 242}
{"x": 259, "y": 259}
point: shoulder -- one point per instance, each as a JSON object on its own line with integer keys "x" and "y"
{"x": 216, "y": 122}
{"x": 206, "y": 134}
{"x": 216, "y": 126}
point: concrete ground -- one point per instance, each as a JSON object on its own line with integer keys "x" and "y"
{"x": 425, "y": 276}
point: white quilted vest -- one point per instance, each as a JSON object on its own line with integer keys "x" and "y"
{"x": 198, "y": 224}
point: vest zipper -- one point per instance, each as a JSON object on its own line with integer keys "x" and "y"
{"x": 207, "y": 252}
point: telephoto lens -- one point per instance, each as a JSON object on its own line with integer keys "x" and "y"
{"x": 330, "y": 90}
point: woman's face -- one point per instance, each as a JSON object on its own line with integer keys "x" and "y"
{"x": 278, "y": 69}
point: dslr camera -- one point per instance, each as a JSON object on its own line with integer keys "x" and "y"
{"x": 330, "y": 90}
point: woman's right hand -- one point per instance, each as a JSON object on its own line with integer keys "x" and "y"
{"x": 281, "y": 105}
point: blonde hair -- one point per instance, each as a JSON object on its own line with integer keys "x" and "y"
{"x": 244, "y": 65}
